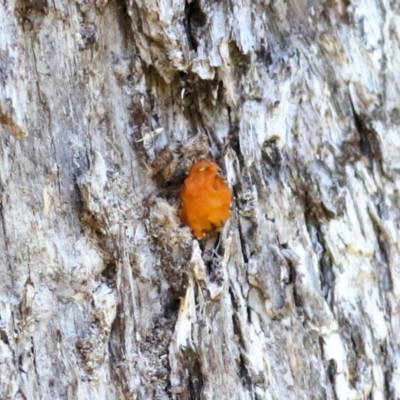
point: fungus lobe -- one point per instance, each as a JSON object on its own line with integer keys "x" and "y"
{"x": 206, "y": 198}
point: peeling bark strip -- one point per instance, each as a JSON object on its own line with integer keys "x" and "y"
{"x": 9, "y": 123}
{"x": 105, "y": 294}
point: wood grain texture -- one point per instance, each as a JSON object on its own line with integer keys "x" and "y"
{"x": 104, "y": 294}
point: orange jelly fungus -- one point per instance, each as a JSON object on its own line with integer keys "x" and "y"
{"x": 206, "y": 198}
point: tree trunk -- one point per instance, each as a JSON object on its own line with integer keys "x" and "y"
{"x": 105, "y": 293}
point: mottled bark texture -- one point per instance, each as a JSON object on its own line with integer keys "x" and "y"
{"x": 104, "y": 105}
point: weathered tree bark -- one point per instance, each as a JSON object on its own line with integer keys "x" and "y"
{"x": 104, "y": 294}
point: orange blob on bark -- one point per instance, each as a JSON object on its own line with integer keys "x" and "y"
{"x": 206, "y": 198}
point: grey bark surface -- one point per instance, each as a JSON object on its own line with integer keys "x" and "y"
{"x": 105, "y": 294}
